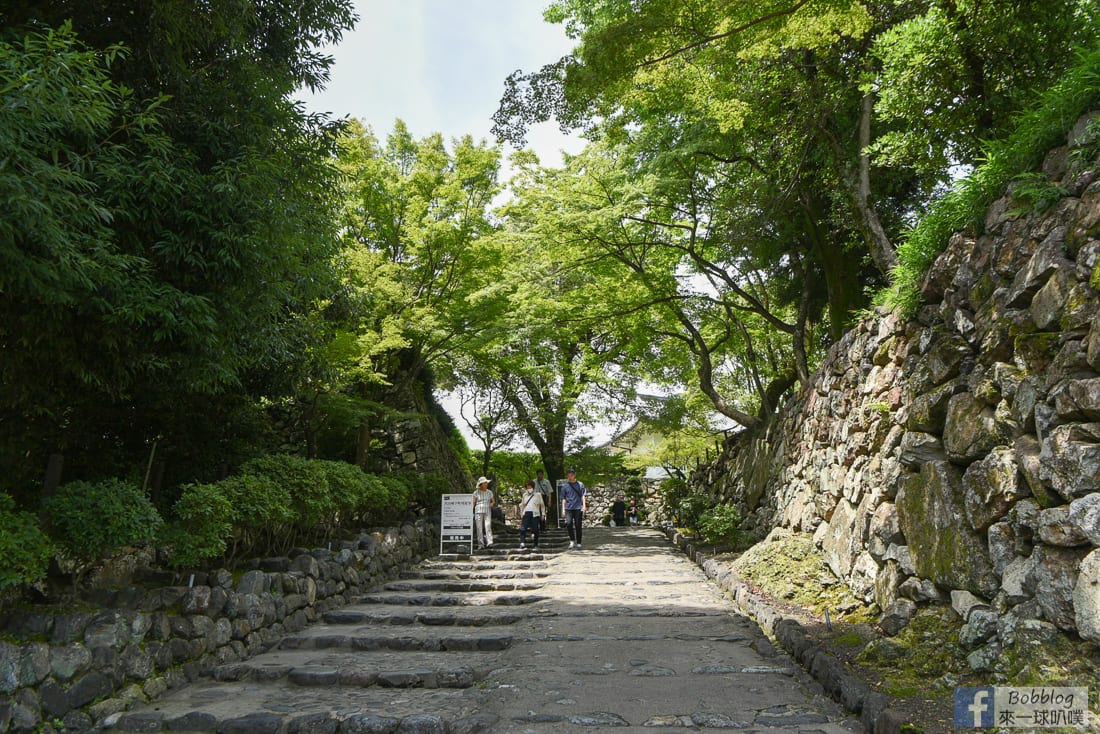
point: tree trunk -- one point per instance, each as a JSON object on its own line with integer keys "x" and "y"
{"x": 362, "y": 448}
{"x": 882, "y": 250}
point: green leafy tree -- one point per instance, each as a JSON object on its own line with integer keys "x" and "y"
{"x": 171, "y": 229}
{"x": 415, "y": 219}
{"x": 740, "y": 142}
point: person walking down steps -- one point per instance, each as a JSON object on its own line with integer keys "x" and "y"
{"x": 483, "y": 513}
{"x": 533, "y": 509}
{"x": 574, "y": 503}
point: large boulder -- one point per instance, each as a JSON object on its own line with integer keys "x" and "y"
{"x": 918, "y": 448}
{"x": 991, "y": 486}
{"x": 971, "y": 429}
{"x": 1086, "y": 597}
{"x": 1055, "y": 575}
{"x": 944, "y": 549}
{"x": 1070, "y": 459}
{"x": 1084, "y": 515}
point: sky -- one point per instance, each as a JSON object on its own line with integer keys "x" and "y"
{"x": 440, "y": 66}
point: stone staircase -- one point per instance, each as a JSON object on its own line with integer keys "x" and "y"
{"x": 405, "y": 658}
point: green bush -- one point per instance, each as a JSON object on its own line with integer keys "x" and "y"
{"x": 398, "y": 495}
{"x": 685, "y": 504}
{"x": 277, "y": 501}
{"x": 25, "y": 550}
{"x": 347, "y": 486}
{"x": 201, "y": 526}
{"x": 90, "y": 520}
{"x": 305, "y": 482}
{"x": 721, "y": 525}
{"x": 257, "y": 504}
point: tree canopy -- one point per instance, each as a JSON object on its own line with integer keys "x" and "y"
{"x": 168, "y": 226}
{"x": 194, "y": 267}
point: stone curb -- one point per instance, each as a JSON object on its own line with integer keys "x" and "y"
{"x": 858, "y": 697}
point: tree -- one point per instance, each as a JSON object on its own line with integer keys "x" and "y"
{"x": 489, "y": 416}
{"x": 415, "y": 217}
{"x": 185, "y": 235}
{"x": 743, "y": 154}
{"x": 551, "y": 350}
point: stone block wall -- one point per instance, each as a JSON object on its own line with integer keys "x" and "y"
{"x": 956, "y": 457}
{"x": 602, "y": 496}
{"x": 74, "y": 670}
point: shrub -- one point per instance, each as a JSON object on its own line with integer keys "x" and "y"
{"x": 24, "y": 549}
{"x": 721, "y": 525}
{"x": 398, "y": 494}
{"x": 305, "y": 482}
{"x": 348, "y": 487}
{"x": 90, "y": 520}
{"x": 201, "y": 526}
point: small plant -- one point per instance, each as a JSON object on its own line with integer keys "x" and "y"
{"x": 721, "y": 525}
{"x": 90, "y": 520}
{"x": 880, "y": 407}
{"x": 1033, "y": 192}
{"x": 200, "y": 530}
{"x": 24, "y": 549}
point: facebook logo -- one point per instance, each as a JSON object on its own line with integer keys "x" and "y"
{"x": 974, "y": 707}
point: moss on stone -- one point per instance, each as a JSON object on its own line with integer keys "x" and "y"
{"x": 791, "y": 570}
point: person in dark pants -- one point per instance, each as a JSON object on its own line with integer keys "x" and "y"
{"x": 618, "y": 512}
{"x": 574, "y": 503}
{"x": 542, "y": 484}
{"x": 533, "y": 510}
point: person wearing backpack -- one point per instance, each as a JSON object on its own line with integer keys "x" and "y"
{"x": 574, "y": 503}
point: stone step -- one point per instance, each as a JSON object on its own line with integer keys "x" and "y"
{"x": 282, "y": 708}
{"x": 394, "y": 668}
{"x": 458, "y": 574}
{"x": 422, "y": 586}
{"x": 467, "y": 616}
{"x": 451, "y": 600}
{"x": 416, "y": 639}
{"x": 501, "y": 555}
{"x": 485, "y": 565}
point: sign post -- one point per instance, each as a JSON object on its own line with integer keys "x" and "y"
{"x": 456, "y": 524}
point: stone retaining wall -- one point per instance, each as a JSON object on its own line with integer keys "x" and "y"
{"x": 73, "y": 670}
{"x": 956, "y": 457}
{"x": 856, "y": 695}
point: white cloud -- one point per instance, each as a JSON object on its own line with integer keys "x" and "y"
{"x": 440, "y": 66}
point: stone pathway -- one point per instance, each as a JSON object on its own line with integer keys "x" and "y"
{"x": 625, "y": 634}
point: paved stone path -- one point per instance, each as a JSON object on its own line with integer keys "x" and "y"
{"x": 625, "y": 634}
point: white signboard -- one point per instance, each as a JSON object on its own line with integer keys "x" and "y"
{"x": 456, "y": 523}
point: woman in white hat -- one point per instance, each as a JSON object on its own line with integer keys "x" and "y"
{"x": 483, "y": 513}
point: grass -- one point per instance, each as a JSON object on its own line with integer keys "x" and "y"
{"x": 1015, "y": 158}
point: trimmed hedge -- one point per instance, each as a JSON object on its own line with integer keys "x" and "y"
{"x": 280, "y": 501}
{"x": 272, "y": 504}
{"x": 89, "y": 521}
